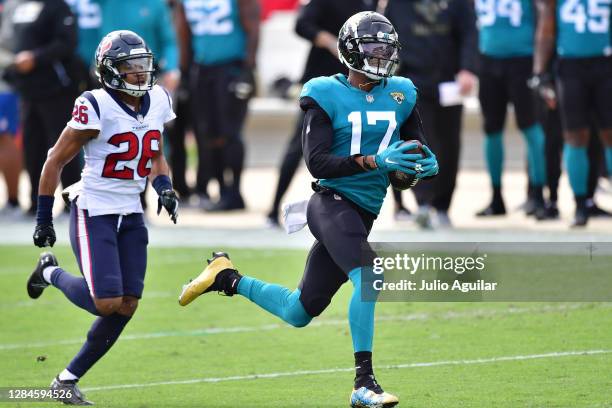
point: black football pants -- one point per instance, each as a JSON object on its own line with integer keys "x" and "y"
{"x": 43, "y": 121}
{"x": 442, "y": 127}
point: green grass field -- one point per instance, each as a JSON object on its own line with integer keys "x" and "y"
{"x": 473, "y": 354}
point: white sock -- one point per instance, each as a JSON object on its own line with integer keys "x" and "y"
{"x": 67, "y": 375}
{"x": 47, "y": 273}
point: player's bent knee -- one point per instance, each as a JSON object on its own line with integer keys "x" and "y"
{"x": 606, "y": 137}
{"x": 128, "y": 306}
{"x": 316, "y": 305}
{"x": 298, "y": 321}
{"x": 577, "y": 138}
{"x": 108, "y": 306}
{"x": 297, "y": 316}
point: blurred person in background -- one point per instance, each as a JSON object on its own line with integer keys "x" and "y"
{"x": 152, "y": 20}
{"x": 222, "y": 39}
{"x": 506, "y": 56}
{"x": 177, "y": 129}
{"x": 10, "y": 155}
{"x": 551, "y": 123}
{"x": 43, "y": 73}
{"x": 439, "y": 45}
{"x": 583, "y": 42}
{"x": 89, "y": 20}
{"x": 319, "y": 22}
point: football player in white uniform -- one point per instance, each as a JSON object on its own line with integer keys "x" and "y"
{"x": 119, "y": 126}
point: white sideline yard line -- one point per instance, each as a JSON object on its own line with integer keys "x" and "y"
{"x": 330, "y": 322}
{"x": 342, "y": 370}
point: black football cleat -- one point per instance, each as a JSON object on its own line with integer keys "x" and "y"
{"x": 581, "y": 217}
{"x": 596, "y": 211}
{"x": 494, "y": 209}
{"x": 228, "y": 202}
{"x": 68, "y": 392}
{"x": 36, "y": 282}
{"x": 530, "y": 207}
{"x": 548, "y": 212}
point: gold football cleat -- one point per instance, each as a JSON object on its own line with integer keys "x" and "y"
{"x": 205, "y": 281}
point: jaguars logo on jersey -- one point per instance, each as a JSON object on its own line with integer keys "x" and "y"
{"x": 398, "y": 97}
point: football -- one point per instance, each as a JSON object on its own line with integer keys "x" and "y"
{"x": 403, "y": 181}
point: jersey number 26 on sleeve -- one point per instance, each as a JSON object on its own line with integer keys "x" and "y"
{"x": 79, "y": 114}
{"x": 126, "y": 173}
{"x": 372, "y": 117}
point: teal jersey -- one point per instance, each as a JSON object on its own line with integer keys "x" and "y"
{"x": 583, "y": 28}
{"x": 89, "y": 21}
{"x": 150, "y": 19}
{"x": 364, "y": 123}
{"x": 217, "y": 33}
{"x": 507, "y": 27}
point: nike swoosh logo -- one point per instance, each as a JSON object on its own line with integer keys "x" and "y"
{"x": 390, "y": 161}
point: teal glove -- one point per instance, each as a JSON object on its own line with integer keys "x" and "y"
{"x": 395, "y": 157}
{"x": 428, "y": 165}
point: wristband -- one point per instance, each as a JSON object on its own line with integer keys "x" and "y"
{"x": 367, "y": 165}
{"x": 161, "y": 183}
{"x": 44, "y": 210}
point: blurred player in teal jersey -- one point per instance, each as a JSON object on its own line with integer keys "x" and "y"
{"x": 351, "y": 140}
{"x": 152, "y": 19}
{"x": 506, "y": 46}
{"x": 222, "y": 36}
{"x": 89, "y": 21}
{"x": 580, "y": 31}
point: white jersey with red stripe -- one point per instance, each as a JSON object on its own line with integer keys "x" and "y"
{"x": 118, "y": 160}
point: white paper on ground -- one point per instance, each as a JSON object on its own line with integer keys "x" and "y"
{"x": 294, "y": 215}
{"x": 449, "y": 94}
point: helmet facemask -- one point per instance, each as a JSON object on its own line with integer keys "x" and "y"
{"x": 378, "y": 59}
{"x": 134, "y": 75}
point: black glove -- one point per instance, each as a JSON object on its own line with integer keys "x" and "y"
{"x": 44, "y": 235}
{"x": 543, "y": 86}
{"x": 170, "y": 202}
{"x": 243, "y": 86}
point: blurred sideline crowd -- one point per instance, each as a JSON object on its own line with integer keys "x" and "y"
{"x": 206, "y": 58}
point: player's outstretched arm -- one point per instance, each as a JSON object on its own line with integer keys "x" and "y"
{"x": 250, "y": 21}
{"x": 541, "y": 81}
{"x": 67, "y": 147}
{"x": 163, "y": 185}
{"x": 544, "y": 36}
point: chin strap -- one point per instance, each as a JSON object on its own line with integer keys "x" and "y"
{"x": 366, "y": 84}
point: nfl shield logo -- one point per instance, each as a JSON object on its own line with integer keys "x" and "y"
{"x": 370, "y": 98}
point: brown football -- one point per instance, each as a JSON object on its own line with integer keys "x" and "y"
{"x": 403, "y": 181}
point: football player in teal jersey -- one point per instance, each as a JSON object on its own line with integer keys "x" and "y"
{"x": 580, "y": 31}
{"x": 222, "y": 37}
{"x": 351, "y": 138}
{"x": 506, "y": 45}
{"x": 89, "y": 20}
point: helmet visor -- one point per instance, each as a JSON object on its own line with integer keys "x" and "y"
{"x": 136, "y": 71}
{"x": 379, "y": 50}
{"x": 379, "y": 58}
